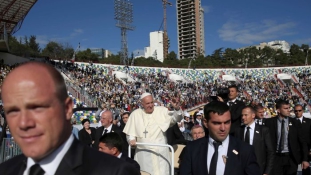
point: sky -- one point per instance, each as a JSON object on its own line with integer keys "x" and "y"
{"x": 227, "y": 23}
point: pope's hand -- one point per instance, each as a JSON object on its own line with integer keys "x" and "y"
{"x": 133, "y": 142}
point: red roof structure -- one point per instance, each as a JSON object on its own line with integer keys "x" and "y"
{"x": 13, "y": 13}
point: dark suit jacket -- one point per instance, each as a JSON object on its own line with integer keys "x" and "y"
{"x": 306, "y": 130}
{"x": 174, "y": 136}
{"x": 131, "y": 161}
{"x": 194, "y": 160}
{"x": 236, "y": 112}
{"x": 262, "y": 144}
{"x": 87, "y": 138}
{"x": 79, "y": 160}
{"x": 116, "y": 129}
{"x": 296, "y": 140}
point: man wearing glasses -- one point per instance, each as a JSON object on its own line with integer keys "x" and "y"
{"x": 306, "y": 130}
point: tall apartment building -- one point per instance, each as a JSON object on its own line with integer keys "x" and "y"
{"x": 190, "y": 25}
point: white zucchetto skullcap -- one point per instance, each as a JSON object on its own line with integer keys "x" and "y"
{"x": 144, "y": 95}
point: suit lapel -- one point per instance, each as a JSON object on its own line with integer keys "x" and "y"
{"x": 203, "y": 149}
{"x": 256, "y": 137}
{"x": 72, "y": 160}
{"x": 233, "y": 156}
{"x": 242, "y": 133}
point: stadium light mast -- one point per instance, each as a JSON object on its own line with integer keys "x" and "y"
{"x": 124, "y": 17}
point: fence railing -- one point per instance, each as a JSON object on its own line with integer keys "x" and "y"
{"x": 9, "y": 149}
{"x": 159, "y": 145}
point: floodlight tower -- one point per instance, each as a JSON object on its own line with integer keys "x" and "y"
{"x": 124, "y": 16}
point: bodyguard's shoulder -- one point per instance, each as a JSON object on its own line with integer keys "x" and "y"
{"x": 13, "y": 163}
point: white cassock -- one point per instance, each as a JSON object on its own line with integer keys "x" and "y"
{"x": 150, "y": 128}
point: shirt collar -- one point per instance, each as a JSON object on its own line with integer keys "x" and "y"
{"x": 50, "y": 163}
{"x": 119, "y": 156}
{"x": 109, "y": 128}
{"x": 211, "y": 140}
{"x": 252, "y": 126}
{"x": 280, "y": 119}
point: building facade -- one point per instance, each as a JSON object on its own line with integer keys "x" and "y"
{"x": 101, "y": 53}
{"x": 155, "y": 50}
{"x": 190, "y": 28}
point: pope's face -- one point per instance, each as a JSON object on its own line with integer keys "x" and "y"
{"x": 148, "y": 104}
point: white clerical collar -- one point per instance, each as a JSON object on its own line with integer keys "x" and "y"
{"x": 50, "y": 163}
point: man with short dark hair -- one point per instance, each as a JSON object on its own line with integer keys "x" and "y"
{"x": 38, "y": 111}
{"x": 235, "y": 106}
{"x": 288, "y": 140}
{"x": 112, "y": 143}
{"x": 259, "y": 137}
{"x": 306, "y": 130}
{"x": 219, "y": 153}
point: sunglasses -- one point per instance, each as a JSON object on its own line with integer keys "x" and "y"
{"x": 297, "y": 110}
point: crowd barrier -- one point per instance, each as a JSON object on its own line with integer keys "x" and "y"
{"x": 9, "y": 149}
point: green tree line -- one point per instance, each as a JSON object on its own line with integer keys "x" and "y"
{"x": 249, "y": 57}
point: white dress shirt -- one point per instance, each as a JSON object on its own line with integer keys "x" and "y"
{"x": 222, "y": 153}
{"x": 108, "y": 129}
{"x": 251, "y": 132}
{"x": 50, "y": 163}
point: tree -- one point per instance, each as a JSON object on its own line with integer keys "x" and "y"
{"x": 53, "y": 50}
{"x": 34, "y": 46}
{"x": 172, "y": 56}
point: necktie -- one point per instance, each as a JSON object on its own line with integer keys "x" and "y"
{"x": 230, "y": 103}
{"x": 105, "y": 132}
{"x": 281, "y": 143}
{"x": 247, "y": 136}
{"x": 36, "y": 170}
{"x": 213, "y": 164}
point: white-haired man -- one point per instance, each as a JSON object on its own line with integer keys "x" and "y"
{"x": 148, "y": 125}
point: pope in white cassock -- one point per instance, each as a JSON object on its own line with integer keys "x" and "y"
{"x": 148, "y": 125}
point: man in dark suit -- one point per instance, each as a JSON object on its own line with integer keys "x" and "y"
{"x": 175, "y": 136}
{"x": 306, "y": 130}
{"x": 219, "y": 152}
{"x": 112, "y": 143}
{"x": 236, "y": 107}
{"x": 288, "y": 140}
{"x": 38, "y": 111}
{"x": 107, "y": 127}
{"x": 259, "y": 137}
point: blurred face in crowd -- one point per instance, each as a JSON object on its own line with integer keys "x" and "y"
{"x": 199, "y": 117}
{"x": 86, "y": 125}
{"x": 219, "y": 125}
{"x": 298, "y": 111}
{"x": 106, "y": 119}
{"x": 148, "y": 104}
{"x": 125, "y": 118}
{"x": 260, "y": 113}
{"x": 197, "y": 133}
{"x": 284, "y": 111}
{"x": 233, "y": 93}
{"x": 248, "y": 116}
{"x": 37, "y": 109}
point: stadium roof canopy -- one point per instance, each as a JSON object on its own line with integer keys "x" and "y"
{"x": 13, "y": 13}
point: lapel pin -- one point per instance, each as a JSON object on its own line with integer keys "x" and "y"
{"x": 224, "y": 158}
{"x": 235, "y": 152}
{"x": 304, "y": 121}
{"x": 257, "y": 132}
{"x": 290, "y": 124}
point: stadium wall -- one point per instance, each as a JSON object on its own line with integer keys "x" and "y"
{"x": 12, "y": 59}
